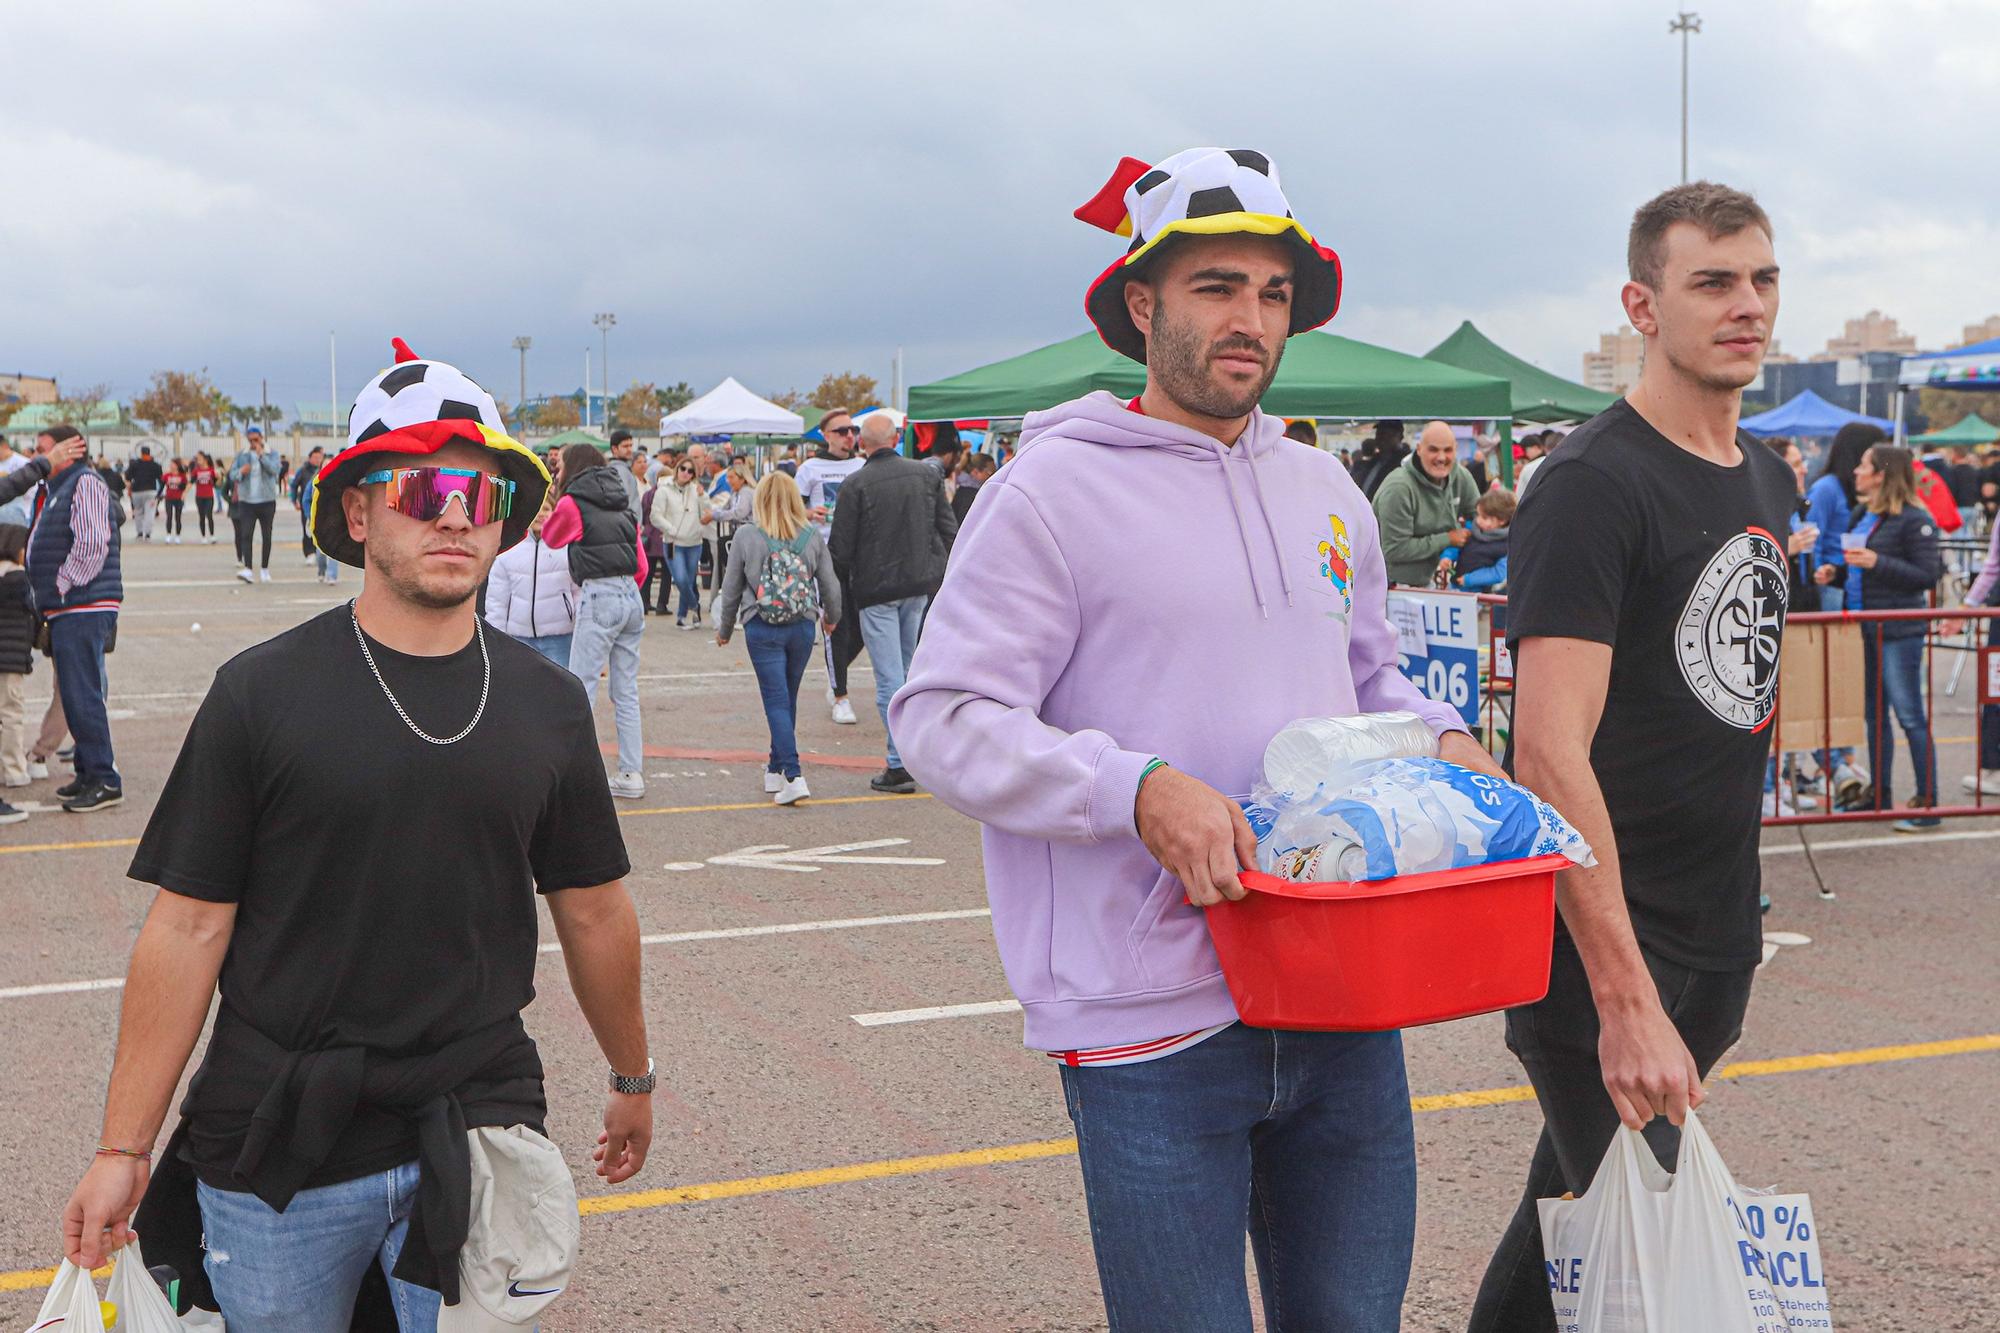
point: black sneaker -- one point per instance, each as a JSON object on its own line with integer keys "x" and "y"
{"x": 895, "y": 780}
{"x": 97, "y": 796}
{"x": 11, "y": 814}
{"x": 74, "y": 787}
{"x": 67, "y": 754}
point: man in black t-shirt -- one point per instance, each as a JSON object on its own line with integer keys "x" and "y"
{"x": 1646, "y": 607}
{"x": 360, "y": 872}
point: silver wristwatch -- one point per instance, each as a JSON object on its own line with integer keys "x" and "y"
{"x": 634, "y": 1086}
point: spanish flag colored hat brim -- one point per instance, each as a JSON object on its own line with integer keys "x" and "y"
{"x": 517, "y": 463}
{"x": 1315, "y": 278}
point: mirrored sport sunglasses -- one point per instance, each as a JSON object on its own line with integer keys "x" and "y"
{"x": 423, "y": 492}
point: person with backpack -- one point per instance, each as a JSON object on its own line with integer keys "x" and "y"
{"x": 779, "y": 564}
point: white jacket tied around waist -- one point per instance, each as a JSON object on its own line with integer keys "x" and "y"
{"x": 530, "y": 593}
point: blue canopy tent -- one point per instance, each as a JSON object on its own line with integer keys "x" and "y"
{"x": 1807, "y": 416}
{"x": 1976, "y": 367}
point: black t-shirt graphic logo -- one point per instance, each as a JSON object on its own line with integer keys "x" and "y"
{"x": 1728, "y": 637}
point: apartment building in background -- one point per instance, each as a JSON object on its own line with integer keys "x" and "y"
{"x": 1614, "y": 366}
{"x": 31, "y": 389}
{"x": 1979, "y": 333}
{"x": 1873, "y": 332}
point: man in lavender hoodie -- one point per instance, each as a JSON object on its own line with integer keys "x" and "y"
{"x": 1182, "y": 582}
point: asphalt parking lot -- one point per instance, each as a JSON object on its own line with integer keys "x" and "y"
{"x": 850, "y": 1135}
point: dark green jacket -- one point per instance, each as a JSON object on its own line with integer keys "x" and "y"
{"x": 1415, "y": 515}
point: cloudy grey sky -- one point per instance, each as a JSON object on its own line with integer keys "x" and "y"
{"x": 774, "y": 190}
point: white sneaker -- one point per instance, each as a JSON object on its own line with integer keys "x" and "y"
{"x": 245, "y": 574}
{"x": 38, "y": 770}
{"x": 631, "y": 786}
{"x": 1776, "y": 806}
{"x": 793, "y": 792}
{"x": 309, "y": 560}
{"x": 773, "y": 783}
{"x": 264, "y": 574}
{"x": 1986, "y": 784}
{"x": 843, "y": 712}
{"x": 831, "y": 697}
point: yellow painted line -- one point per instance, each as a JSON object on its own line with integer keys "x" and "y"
{"x": 67, "y": 846}
{"x": 30, "y": 1279}
{"x": 1874, "y": 1055}
{"x": 34, "y": 1279}
{"x": 766, "y": 805}
{"x": 1459, "y": 1101}
{"x": 829, "y": 1175}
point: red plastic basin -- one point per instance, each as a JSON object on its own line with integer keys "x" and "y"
{"x": 1369, "y": 956}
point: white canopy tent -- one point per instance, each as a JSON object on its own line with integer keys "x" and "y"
{"x": 895, "y": 417}
{"x": 731, "y": 409}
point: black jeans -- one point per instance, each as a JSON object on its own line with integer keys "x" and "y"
{"x": 173, "y": 508}
{"x": 204, "y": 513}
{"x": 844, "y": 644}
{"x": 249, "y": 518}
{"x": 1556, "y": 1042}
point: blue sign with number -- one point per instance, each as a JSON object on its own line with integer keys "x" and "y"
{"x": 1438, "y": 646}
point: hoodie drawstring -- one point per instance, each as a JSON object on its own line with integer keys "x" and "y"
{"x": 1270, "y": 529}
{"x": 1236, "y": 509}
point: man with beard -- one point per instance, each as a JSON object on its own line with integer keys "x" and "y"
{"x": 1646, "y": 608}
{"x": 1182, "y": 582}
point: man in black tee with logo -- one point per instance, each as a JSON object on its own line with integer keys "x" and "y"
{"x": 1646, "y": 608}
{"x": 368, "y": 903}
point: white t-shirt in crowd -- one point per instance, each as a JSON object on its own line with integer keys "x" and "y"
{"x": 819, "y": 483}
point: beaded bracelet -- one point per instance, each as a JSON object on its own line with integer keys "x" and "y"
{"x": 106, "y": 1150}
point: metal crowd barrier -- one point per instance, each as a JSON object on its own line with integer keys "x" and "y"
{"x": 1969, "y": 646}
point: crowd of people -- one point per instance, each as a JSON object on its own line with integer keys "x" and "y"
{"x": 1078, "y": 724}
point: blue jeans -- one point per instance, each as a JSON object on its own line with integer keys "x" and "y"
{"x": 325, "y": 565}
{"x": 77, "y": 642}
{"x": 610, "y": 619}
{"x": 681, "y": 564}
{"x": 779, "y": 654}
{"x": 1893, "y": 675}
{"x": 298, "y": 1271}
{"x": 890, "y": 632}
{"x": 1303, "y": 1138}
{"x": 555, "y": 647}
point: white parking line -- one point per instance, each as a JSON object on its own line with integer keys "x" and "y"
{"x": 937, "y": 1011}
{"x": 673, "y": 937}
{"x": 1893, "y": 840}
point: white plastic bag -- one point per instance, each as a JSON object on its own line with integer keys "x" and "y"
{"x": 1647, "y": 1252}
{"x": 71, "y": 1305}
{"x": 137, "y": 1303}
{"x": 140, "y": 1305}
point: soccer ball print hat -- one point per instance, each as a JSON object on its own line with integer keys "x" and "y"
{"x": 417, "y": 406}
{"x": 1200, "y": 192}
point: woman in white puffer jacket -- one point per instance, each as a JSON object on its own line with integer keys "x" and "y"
{"x": 531, "y": 596}
{"x": 682, "y": 515}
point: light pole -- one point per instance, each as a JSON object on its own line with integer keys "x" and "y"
{"x": 604, "y": 323}
{"x": 1687, "y": 24}
{"x": 521, "y": 345}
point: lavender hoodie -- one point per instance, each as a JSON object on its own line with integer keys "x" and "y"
{"x": 1124, "y": 589}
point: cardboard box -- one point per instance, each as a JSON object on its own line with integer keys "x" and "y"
{"x": 1810, "y": 715}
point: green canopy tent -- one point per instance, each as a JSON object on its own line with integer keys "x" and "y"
{"x": 1322, "y": 375}
{"x": 1538, "y": 395}
{"x": 1969, "y": 432}
{"x": 575, "y": 435}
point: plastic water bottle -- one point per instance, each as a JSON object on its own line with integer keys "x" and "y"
{"x": 1315, "y": 750}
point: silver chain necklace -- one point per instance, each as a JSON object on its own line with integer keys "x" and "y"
{"x": 485, "y": 684}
